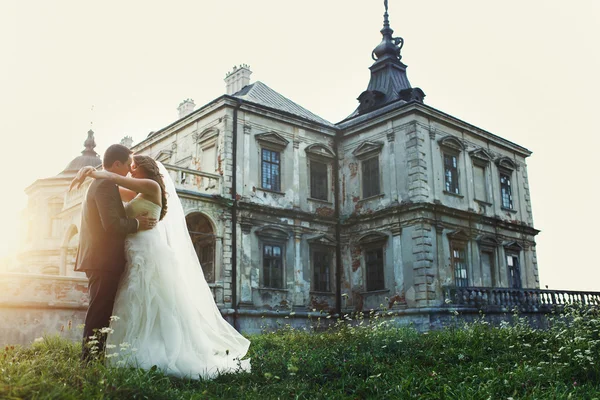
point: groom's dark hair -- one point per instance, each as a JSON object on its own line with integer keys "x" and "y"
{"x": 115, "y": 152}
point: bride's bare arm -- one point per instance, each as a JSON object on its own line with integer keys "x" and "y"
{"x": 126, "y": 194}
{"x": 144, "y": 186}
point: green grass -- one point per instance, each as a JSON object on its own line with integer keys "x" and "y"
{"x": 367, "y": 358}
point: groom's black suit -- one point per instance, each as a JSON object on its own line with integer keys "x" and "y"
{"x": 101, "y": 252}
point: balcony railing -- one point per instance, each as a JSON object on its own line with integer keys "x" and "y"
{"x": 195, "y": 181}
{"x": 506, "y": 299}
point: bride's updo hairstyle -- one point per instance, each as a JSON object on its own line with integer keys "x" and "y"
{"x": 150, "y": 168}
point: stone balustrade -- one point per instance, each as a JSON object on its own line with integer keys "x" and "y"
{"x": 195, "y": 181}
{"x": 506, "y": 299}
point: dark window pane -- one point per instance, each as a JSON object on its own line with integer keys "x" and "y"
{"x": 318, "y": 180}
{"x": 505, "y": 191}
{"x": 322, "y": 271}
{"x": 370, "y": 177}
{"x": 270, "y": 170}
{"x": 451, "y": 173}
{"x": 514, "y": 271}
{"x": 272, "y": 266}
{"x": 374, "y": 266}
{"x": 459, "y": 264}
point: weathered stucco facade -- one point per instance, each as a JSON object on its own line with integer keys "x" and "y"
{"x": 293, "y": 215}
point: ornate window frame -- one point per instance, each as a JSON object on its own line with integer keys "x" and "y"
{"x": 322, "y": 154}
{"x": 451, "y": 146}
{"x": 322, "y": 243}
{"x": 458, "y": 240}
{"x": 373, "y": 241}
{"x": 506, "y": 167}
{"x": 272, "y": 235}
{"x": 482, "y": 159}
{"x": 271, "y": 141}
{"x": 366, "y": 152}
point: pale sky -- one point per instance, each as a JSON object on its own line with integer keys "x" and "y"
{"x": 524, "y": 70}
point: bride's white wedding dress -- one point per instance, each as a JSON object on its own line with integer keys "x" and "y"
{"x": 166, "y": 313}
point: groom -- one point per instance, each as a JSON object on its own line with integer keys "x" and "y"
{"x": 101, "y": 253}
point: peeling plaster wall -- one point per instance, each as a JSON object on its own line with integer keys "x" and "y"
{"x": 33, "y": 305}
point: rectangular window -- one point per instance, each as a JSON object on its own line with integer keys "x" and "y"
{"x": 451, "y": 173}
{"x": 480, "y": 183}
{"x": 374, "y": 265}
{"x": 208, "y": 160}
{"x": 506, "y": 191}
{"x": 514, "y": 271}
{"x": 370, "y": 177}
{"x": 273, "y": 266}
{"x": 322, "y": 271}
{"x": 459, "y": 264}
{"x": 271, "y": 164}
{"x": 488, "y": 267}
{"x": 318, "y": 180}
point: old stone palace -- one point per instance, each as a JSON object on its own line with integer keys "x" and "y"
{"x": 398, "y": 206}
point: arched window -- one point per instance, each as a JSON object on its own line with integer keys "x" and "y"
{"x": 203, "y": 238}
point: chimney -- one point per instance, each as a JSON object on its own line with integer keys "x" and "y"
{"x": 127, "y": 141}
{"x": 237, "y": 79}
{"x": 186, "y": 107}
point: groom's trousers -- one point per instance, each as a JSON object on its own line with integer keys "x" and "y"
{"x": 102, "y": 289}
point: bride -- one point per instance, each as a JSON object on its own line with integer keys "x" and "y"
{"x": 164, "y": 312}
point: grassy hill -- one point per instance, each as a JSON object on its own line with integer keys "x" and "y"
{"x": 356, "y": 359}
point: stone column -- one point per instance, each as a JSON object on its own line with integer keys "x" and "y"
{"x": 298, "y": 289}
{"x": 243, "y": 186}
{"x": 398, "y": 260}
{"x": 418, "y": 188}
{"x": 424, "y": 273}
{"x": 391, "y": 138}
{"x": 296, "y": 174}
{"x": 245, "y": 270}
{"x": 436, "y": 189}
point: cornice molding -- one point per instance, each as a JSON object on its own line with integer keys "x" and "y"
{"x": 320, "y": 150}
{"x": 367, "y": 149}
{"x": 273, "y": 139}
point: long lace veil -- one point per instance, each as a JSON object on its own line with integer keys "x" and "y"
{"x": 174, "y": 228}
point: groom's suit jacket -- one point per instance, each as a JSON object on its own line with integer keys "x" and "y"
{"x": 104, "y": 226}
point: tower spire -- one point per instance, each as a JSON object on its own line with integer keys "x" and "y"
{"x": 389, "y": 82}
{"x": 90, "y": 144}
{"x": 389, "y": 46}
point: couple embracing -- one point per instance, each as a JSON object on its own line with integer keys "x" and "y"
{"x": 146, "y": 285}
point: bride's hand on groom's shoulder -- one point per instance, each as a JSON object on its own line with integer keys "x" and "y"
{"x": 80, "y": 177}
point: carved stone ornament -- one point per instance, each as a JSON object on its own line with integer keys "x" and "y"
{"x": 459, "y": 234}
{"x": 272, "y": 139}
{"x": 367, "y": 149}
{"x": 207, "y": 134}
{"x": 452, "y": 143}
{"x": 488, "y": 240}
{"x": 320, "y": 150}
{"x": 324, "y": 240}
{"x": 246, "y": 227}
{"x": 164, "y": 155}
{"x": 247, "y": 129}
{"x": 506, "y": 163}
{"x": 372, "y": 237}
{"x": 272, "y": 232}
{"x": 513, "y": 246}
{"x": 481, "y": 156}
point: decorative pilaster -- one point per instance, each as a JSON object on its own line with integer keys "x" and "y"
{"x": 418, "y": 188}
{"x": 423, "y": 269}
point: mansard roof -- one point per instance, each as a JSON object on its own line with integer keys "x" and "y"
{"x": 261, "y": 94}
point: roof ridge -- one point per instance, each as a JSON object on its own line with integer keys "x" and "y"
{"x": 261, "y": 93}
